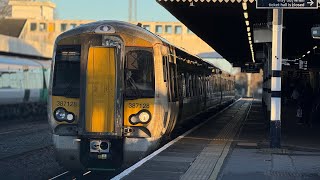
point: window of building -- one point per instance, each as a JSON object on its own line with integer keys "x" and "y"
{"x": 73, "y": 26}
{"x": 177, "y": 29}
{"x": 33, "y": 26}
{"x": 168, "y": 29}
{"x": 42, "y": 27}
{"x": 189, "y": 31}
{"x": 63, "y": 27}
{"x": 158, "y": 29}
{"x": 147, "y": 27}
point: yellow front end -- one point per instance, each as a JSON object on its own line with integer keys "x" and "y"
{"x": 100, "y": 90}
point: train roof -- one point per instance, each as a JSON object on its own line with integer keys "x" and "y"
{"x": 127, "y": 28}
{"x": 13, "y": 60}
{"x": 119, "y": 27}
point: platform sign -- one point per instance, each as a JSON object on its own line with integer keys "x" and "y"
{"x": 251, "y": 68}
{"x": 303, "y": 65}
{"x": 287, "y": 4}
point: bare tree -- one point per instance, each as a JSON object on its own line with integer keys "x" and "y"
{"x": 4, "y": 9}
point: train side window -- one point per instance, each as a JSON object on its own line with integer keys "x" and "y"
{"x": 164, "y": 63}
{"x": 180, "y": 84}
{"x": 173, "y": 81}
{"x": 190, "y": 85}
{"x": 183, "y": 82}
{"x": 188, "y": 94}
{"x": 217, "y": 83}
{"x": 212, "y": 84}
{"x": 193, "y": 86}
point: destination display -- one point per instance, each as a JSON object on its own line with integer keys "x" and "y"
{"x": 287, "y": 4}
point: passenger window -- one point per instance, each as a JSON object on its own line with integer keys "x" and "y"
{"x": 173, "y": 81}
{"x": 182, "y": 85}
{"x": 139, "y": 73}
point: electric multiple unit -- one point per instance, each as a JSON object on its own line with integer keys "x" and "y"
{"x": 117, "y": 91}
{"x": 23, "y": 85}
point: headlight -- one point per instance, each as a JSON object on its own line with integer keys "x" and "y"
{"x": 61, "y": 114}
{"x": 143, "y": 116}
{"x": 70, "y": 117}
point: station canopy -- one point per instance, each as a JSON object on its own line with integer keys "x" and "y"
{"x": 223, "y": 24}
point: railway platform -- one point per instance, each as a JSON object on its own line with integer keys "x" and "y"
{"x": 234, "y": 145}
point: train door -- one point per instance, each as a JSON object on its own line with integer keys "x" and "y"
{"x": 100, "y": 90}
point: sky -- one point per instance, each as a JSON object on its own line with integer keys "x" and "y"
{"x": 147, "y": 10}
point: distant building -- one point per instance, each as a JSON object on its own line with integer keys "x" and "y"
{"x": 179, "y": 35}
{"x": 30, "y": 9}
{"x": 34, "y": 22}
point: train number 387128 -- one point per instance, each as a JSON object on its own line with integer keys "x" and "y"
{"x": 67, "y": 103}
{"x": 139, "y": 105}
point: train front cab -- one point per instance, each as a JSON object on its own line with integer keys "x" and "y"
{"x": 103, "y": 99}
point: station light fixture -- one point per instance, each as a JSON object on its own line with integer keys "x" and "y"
{"x": 315, "y": 47}
{"x": 308, "y": 52}
{"x": 247, "y": 22}
{"x": 303, "y": 55}
{"x": 244, "y": 6}
{"x": 246, "y": 15}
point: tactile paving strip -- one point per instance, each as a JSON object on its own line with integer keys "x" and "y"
{"x": 203, "y": 166}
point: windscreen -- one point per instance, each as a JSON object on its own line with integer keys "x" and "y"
{"x": 66, "y": 81}
{"x": 139, "y": 73}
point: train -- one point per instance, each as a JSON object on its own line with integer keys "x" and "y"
{"x": 23, "y": 86}
{"x": 117, "y": 91}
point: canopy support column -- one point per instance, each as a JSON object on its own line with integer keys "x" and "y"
{"x": 275, "y": 116}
